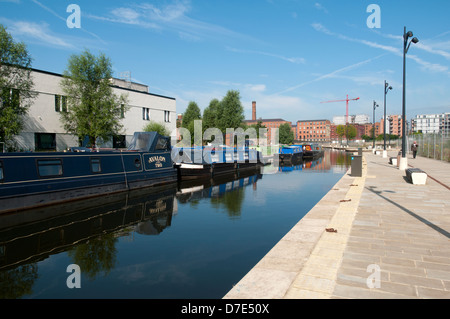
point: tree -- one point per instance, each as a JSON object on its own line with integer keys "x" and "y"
{"x": 16, "y": 85}
{"x": 340, "y": 131}
{"x": 231, "y": 112}
{"x": 286, "y": 136}
{"x": 350, "y": 132}
{"x": 191, "y": 114}
{"x": 211, "y": 115}
{"x": 160, "y": 128}
{"x": 94, "y": 110}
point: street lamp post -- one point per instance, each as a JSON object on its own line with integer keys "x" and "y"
{"x": 386, "y": 90}
{"x": 375, "y": 105}
{"x": 406, "y": 35}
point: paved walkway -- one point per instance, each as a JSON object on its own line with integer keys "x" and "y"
{"x": 392, "y": 240}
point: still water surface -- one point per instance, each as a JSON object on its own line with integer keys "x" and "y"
{"x": 186, "y": 241}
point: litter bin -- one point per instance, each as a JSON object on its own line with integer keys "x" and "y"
{"x": 356, "y": 166}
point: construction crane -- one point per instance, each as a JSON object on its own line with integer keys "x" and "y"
{"x": 347, "y": 100}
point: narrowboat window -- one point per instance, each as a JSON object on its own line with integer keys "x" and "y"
{"x": 48, "y": 168}
{"x": 161, "y": 144}
{"x": 137, "y": 163}
{"x": 96, "y": 166}
{"x": 1, "y": 171}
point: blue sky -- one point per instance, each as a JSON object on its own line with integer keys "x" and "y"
{"x": 287, "y": 55}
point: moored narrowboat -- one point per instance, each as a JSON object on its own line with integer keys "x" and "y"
{"x": 290, "y": 154}
{"x": 205, "y": 162}
{"x": 37, "y": 179}
{"x": 312, "y": 150}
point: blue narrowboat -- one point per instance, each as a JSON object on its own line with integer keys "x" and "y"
{"x": 37, "y": 179}
{"x": 206, "y": 161}
{"x": 290, "y": 154}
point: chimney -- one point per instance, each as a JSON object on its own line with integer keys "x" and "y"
{"x": 253, "y": 111}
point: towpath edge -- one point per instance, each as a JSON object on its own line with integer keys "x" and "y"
{"x": 375, "y": 236}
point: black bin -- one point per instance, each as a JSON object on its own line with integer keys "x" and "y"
{"x": 356, "y": 166}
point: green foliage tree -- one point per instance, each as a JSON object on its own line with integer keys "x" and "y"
{"x": 231, "y": 111}
{"x": 340, "y": 131}
{"x": 157, "y": 127}
{"x": 286, "y": 136}
{"x": 211, "y": 115}
{"x": 350, "y": 132}
{"x": 191, "y": 114}
{"x": 93, "y": 108}
{"x": 16, "y": 83}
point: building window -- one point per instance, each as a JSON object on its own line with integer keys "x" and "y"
{"x": 167, "y": 116}
{"x": 60, "y": 103}
{"x": 49, "y": 168}
{"x": 146, "y": 114}
{"x": 122, "y": 111}
{"x": 9, "y": 97}
{"x": 45, "y": 141}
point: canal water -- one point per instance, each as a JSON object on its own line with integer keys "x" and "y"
{"x": 186, "y": 241}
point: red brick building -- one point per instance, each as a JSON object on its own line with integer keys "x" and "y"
{"x": 270, "y": 124}
{"x": 313, "y": 130}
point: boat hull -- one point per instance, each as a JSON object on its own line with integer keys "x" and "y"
{"x": 40, "y": 179}
{"x": 193, "y": 171}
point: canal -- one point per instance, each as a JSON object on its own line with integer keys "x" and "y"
{"x": 185, "y": 241}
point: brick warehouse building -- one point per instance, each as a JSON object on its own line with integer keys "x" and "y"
{"x": 313, "y": 130}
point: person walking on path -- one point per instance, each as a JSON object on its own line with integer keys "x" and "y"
{"x": 414, "y": 148}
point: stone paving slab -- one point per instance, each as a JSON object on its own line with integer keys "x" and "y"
{"x": 392, "y": 240}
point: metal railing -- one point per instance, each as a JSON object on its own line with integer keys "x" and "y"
{"x": 436, "y": 146}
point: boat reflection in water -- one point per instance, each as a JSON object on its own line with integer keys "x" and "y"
{"x": 224, "y": 190}
{"x": 328, "y": 161}
{"x": 88, "y": 230}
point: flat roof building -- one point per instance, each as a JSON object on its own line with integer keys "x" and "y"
{"x": 43, "y": 129}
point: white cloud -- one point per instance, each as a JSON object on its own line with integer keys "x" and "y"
{"x": 295, "y": 60}
{"x": 330, "y": 75}
{"x": 64, "y": 19}
{"x": 170, "y": 17}
{"x": 257, "y": 87}
{"x": 36, "y": 31}
{"x": 320, "y": 7}
{"x": 428, "y": 66}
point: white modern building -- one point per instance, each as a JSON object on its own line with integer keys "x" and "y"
{"x": 43, "y": 129}
{"x": 432, "y": 123}
{"x": 353, "y": 119}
